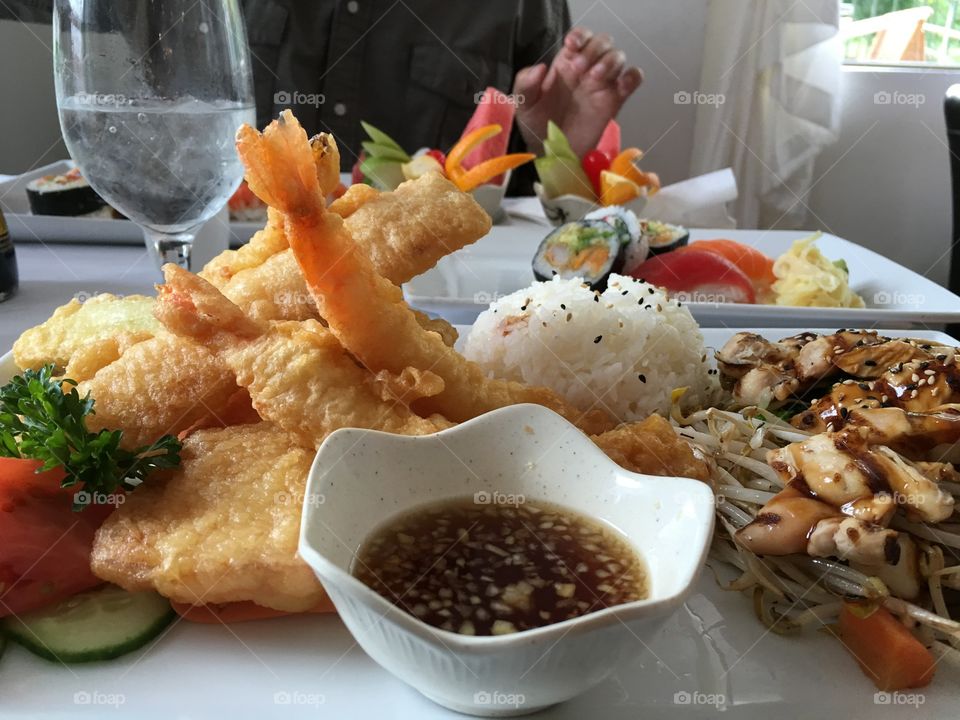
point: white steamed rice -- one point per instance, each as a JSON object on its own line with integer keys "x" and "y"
{"x": 625, "y": 349}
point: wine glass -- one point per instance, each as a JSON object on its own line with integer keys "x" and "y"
{"x": 150, "y": 95}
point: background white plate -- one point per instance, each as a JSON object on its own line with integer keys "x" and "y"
{"x": 464, "y": 283}
{"x": 27, "y": 227}
{"x": 712, "y": 653}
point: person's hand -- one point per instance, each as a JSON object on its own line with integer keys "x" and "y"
{"x": 584, "y": 87}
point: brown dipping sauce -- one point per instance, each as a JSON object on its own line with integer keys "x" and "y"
{"x": 481, "y": 569}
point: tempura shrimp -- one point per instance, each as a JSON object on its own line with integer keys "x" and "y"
{"x": 297, "y": 373}
{"x": 365, "y": 311}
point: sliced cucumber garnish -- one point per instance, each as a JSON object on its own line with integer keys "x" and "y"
{"x": 97, "y": 625}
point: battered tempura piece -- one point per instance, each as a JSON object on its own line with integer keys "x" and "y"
{"x": 264, "y": 244}
{"x": 276, "y": 290}
{"x": 364, "y": 310}
{"x": 441, "y": 327}
{"x": 355, "y": 196}
{"x": 652, "y": 447}
{"x": 158, "y": 387}
{"x": 298, "y": 375}
{"x": 273, "y": 290}
{"x": 221, "y": 528}
{"x": 238, "y": 410}
{"x": 76, "y": 327}
{"x": 89, "y": 359}
{"x": 405, "y": 232}
{"x": 401, "y": 238}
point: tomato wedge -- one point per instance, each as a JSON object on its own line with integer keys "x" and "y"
{"x": 697, "y": 276}
{"x": 595, "y": 162}
{"x": 755, "y": 265}
{"x": 45, "y": 553}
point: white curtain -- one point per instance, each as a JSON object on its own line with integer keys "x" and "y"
{"x": 772, "y": 68}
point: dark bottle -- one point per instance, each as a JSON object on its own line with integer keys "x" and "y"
{"x": 9, "y": 277}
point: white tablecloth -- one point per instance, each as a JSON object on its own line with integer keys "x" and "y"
{"x": 52, "y": 274}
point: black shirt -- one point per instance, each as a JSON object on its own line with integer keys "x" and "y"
{"x": 410, "y": 67}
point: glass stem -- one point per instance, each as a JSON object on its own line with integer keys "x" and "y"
{"x": 170, "y": 247}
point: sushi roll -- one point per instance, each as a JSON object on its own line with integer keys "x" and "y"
{"x": 624, "y": 221}
{"x": 636, "y": 244}
{"x": 635, "y": 253}
{"x": 588, "y": 249}
{"x": 67, "y": 194}
{"x": 663, "y": 237}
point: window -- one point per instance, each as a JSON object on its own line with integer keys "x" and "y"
{"x": 901, "y": 32}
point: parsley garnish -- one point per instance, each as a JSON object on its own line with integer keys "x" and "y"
{"x": 41, "y": 419}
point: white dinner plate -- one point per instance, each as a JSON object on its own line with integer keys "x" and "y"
{"x": 712, "y": 654}
{"x": 25, "y": 227}
{"x": 463, "y": 284}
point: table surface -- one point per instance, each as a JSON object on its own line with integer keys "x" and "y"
{"x": 50, "y": 275}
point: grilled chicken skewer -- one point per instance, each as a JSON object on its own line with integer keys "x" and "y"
{"x": 840, "y": 494}
{"x": 766, "y": 371}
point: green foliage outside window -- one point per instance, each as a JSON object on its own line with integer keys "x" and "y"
{"x": 939, "y": 49}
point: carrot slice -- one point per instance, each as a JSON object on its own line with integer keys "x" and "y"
{"x": 465, "y": 145}
{"x": 885, "y": 649}
{"x": 236, "y": 612}
{"x": 489, "y": 169}
{"x": 625, "y": 164}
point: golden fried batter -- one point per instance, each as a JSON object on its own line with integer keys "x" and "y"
{"x": 264, "y": 244}
{"x": 652, "y": 447}
{"x": 221, "y": 528}
{"x": 300, "y": 377}
{"x": 157, "y": 387}
{"x": 76, "y": 326}
{"x": 438, "y": 325}
{"x": 365, "y": 311}
{"x": 405, "y": 232}
{"x": 273, "y": 290}
{"x": 355, "y": 196}
{"x": 89, "y": 359}
{"x": 297, "y": 373}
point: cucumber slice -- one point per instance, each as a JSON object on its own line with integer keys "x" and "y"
{"x": 383, "y": 174}
{"x": 560, "y": 176}
{"x": 384, "y": 151}
{"x": 97, "y": 625}
{"x": 552, "y": 150}
{"x": 380, "y": 137}
{"x": 557, "y": 143}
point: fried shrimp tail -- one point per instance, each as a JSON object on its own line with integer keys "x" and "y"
{"x": 365, "y": 311}
{"x": 291, "y": 187}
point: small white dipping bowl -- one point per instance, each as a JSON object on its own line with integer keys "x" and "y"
{"x": 362, "y": 478}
